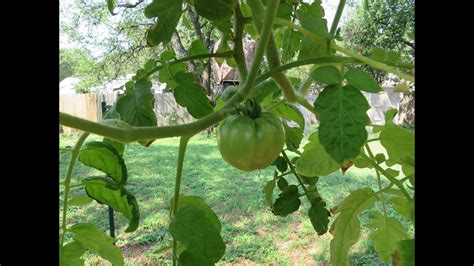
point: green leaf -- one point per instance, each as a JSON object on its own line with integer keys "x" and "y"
{"x": 111, "y": 6}
{"x": 360, "y": 162}
{"x": 318, "y": 215}
{"x": 168, "y": 13}
{"x": 104, "y": 157}
{"x": 388, "y": 232}
{"x": 264, "y": 89}
{"x": 403, "y": 206}
{"x": 307, "y": 10}
{"x": 291, "y": 44}
{"x": 293, "y": 137}
{"x": 284, "y": 205}
{"x": 308, "y": 47}
{"x": 268, "y": 191}
{"x": 346, "y": 227}
{"x": 136, "y": 108}
{"x": 118, "y": 146}
{"x": 281, "y": 164}
{"x": 289, "y": 112}
{"x": 399, "y": 143}
{"x": 191, "y": 95}
{"x": 228, "y": 93}
{"x": 166, "y": 75}
{"x": 71, "y": 254}
{"x": 118, "y": 198}
{"x": 80, "y": 200}
{"x": 380, "y": 158}
{"x": 405, "y": 253}
{"x": 326, "y": 75}
{"x": 342, "y": 112}
{"x": 378, "y": 54}
{"x": 199, "y": 203}
{"x": 284, "y": 11}
{"x": 215, "y": 9}
{"x": 309, "y": 180}
{"x": 198, "y": 47}
{"x": 188, "y": 259}
{"x": 187, "y": 22}
{"x": 282, "y": 183}
{"x": 149, "y": 65}
{"x": 315, "y": 161}
{"x": 90, "y": 237}
{"x": 390, "y": 115}
{"x": 362, "y": 81}
{"x": 196, "y": 232}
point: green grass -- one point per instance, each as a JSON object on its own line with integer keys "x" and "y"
{"x": 253, "y": 235}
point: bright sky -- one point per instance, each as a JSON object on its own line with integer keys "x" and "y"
{"x": 330, "y": 7}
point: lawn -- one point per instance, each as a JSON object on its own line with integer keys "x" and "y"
{"x": 253, "y": 235}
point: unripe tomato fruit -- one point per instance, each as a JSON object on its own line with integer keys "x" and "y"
{"x": 249, "y": 144}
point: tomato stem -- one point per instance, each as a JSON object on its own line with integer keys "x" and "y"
{"x": 67, "y": 182}
{"x": 179, "y": 171}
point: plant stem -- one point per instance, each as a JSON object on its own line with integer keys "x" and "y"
{"x": 337, "y": 17}
{"x": 239, "y": 55}
{"x": 301, "y": 100}
{"x": 296, "y": 175}
{"x": 189, "y": 58}
{"x": 67, "y": 182}
{"x": 378, "y": 179}
{"x": 182, "y": 151}
{"x": 272, "y": 54}
{"x": 320, "y": 40}
{"x": 274, "y": 105}
{"x": 308, "y": 61}
{"x": 387, "y": 175}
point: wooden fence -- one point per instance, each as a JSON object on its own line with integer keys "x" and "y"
{"x": 89, "y": 106}
{"x": 168, "y": 112}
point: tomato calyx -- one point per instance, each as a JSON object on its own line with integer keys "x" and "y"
{"x": 250, "y": 108}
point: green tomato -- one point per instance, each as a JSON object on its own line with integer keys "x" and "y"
{"x": 249, "y": 144}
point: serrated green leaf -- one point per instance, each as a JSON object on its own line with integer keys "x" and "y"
{"x": 116, "y": 197}
{"x": 118, "y": 146}
{"x": 136, "y": 108}
{"x": 388, "y": 232}
{"x": 264, "y": 89}
{"x": 285, "y": 205}
{"x": 80, "y": 200}
{"x": 342, "y": 113}
{"x": 326, "y": 75}
{"x": 268, "y": 191}
{"x": 104, "y": 157}
{"x": 315, "y": 161}
{"x": 282, "y": 183}
{"x": 289, "y": 112}
{"x": 346, "y": 227}
{"x": 362, "y": 81}
{"x": 308, "y": 47}
{"x": 405, "y": 253}
{"x": 199, "y": 203}
{"x": 290, "y": 45}
{"x": 111, "y": 6}
{"x": 191, "y": 95}
{"x": 197, "y": 234}
{"x": 71, "y": 254}
{"x": 198, "y": 47}
{"x": 91, "y": 237}
{"x": 293, "y": 137}
{"x": 168, "y": 13}
{"x": 281, "y": 164}
{"x": 318, "y": 215}
{"x": 399, "y": 143}
{"x": 215, "y": 9}
{"x": 403, "y": 206}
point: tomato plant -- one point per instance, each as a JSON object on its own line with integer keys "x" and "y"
{"x": 252, "y": 138}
